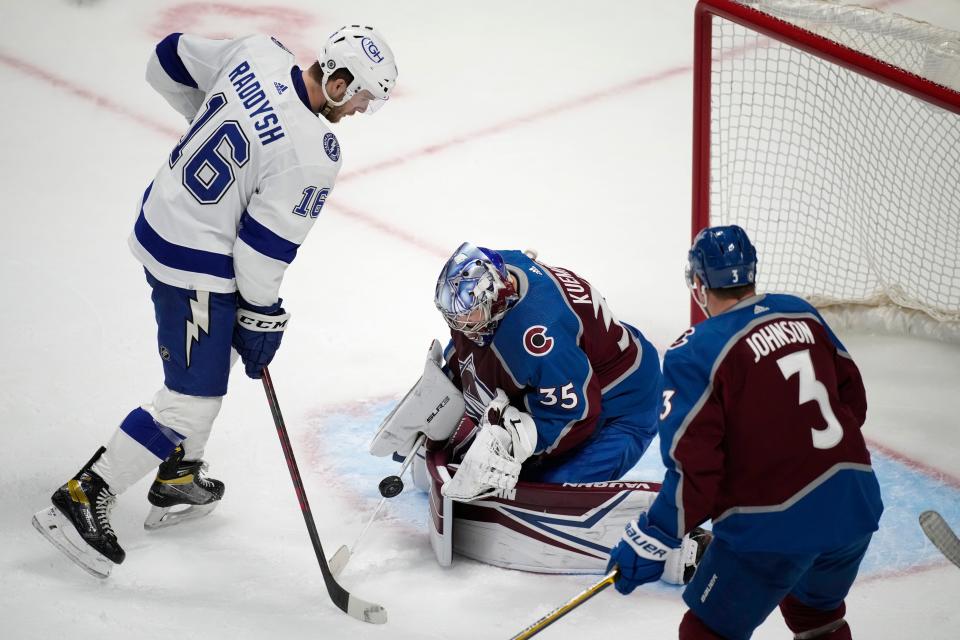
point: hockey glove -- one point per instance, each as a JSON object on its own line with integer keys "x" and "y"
{"x": 257, "y": 334}
{"x": 641, "y": 554}
{"x": 492, "y": 464}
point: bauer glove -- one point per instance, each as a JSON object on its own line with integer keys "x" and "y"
{"x": 257, "y": 334}
{"x": 641, "y": 554}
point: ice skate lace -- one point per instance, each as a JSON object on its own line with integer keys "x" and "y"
{"x": 200, "y": 477}
{"x": 105, "y": 502}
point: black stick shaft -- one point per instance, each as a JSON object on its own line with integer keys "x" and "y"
{"x": 338, "y": 594}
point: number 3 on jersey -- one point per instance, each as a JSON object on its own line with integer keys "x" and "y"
{"x": 210, "y": 170}
{"x": 812, "y": 390}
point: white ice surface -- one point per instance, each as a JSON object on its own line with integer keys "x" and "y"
{"x": 563, "y": 126}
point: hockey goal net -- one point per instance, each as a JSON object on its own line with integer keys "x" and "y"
{"x": 831, "y": 133}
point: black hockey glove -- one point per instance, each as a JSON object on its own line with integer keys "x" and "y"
{"x": 257, "y": 334}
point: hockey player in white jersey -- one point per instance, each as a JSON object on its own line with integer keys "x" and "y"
{"x": 215, "y": 231}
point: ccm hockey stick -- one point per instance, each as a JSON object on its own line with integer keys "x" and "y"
{"x": 351, "y": 604}
{"x": 941, "y": 535}
{"x": 390, "y": 487}
{"x": 567, "y": 607}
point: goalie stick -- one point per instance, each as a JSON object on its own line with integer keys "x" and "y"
{"x": 342, "y": 555}
{"x": 567, "y": 607}
{"x": 351, "y": 604}
{"x": 941, "y": 535}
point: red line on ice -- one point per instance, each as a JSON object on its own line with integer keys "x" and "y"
{"x": 926, "y": 469}
{"x": 369, "y": 219}
{"x": 519, "y": 120}
{"x": 87, "y": 95}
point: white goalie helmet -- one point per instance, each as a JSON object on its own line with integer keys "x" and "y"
{"x": 367, "y": 56}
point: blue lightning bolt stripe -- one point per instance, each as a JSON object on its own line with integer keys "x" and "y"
{"x": 542, "y": 522}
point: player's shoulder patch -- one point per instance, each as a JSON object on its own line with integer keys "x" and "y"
{"x": 331, "y": 146}
{"x": 536, "y": 341}
{"x": 683, "y": 339}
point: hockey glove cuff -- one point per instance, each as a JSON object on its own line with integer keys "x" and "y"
{"x": 257, "y": 334}
{"x": 641, "y": 554}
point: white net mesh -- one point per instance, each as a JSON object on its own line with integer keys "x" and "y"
{"x": 849, "y": 188}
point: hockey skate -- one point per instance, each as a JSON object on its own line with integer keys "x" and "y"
{"x": 694, "y": 546}
{"x": 78, "y": 523}
{"x": 181, "y": 482}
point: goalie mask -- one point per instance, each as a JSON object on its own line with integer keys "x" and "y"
{"x": 474, "y": 292}
{"x": 366, "y": 55}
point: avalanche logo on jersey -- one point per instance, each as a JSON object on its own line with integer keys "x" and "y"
{"x": 331, "y": 146}
{"x": 476, "y": 395}
{"x": 536, "y": 341}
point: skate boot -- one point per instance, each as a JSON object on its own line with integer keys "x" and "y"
{"x": 699, "y": 539}
{"x": 181, "y": 482}
{"x": 78, "y": 523}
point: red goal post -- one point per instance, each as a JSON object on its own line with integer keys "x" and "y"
{"x": 831, "y": 133}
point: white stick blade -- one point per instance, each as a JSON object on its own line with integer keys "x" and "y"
{"x": 339, "y": 560}
{"x": 941, "y": 535}
{"x": 366, "y": 611}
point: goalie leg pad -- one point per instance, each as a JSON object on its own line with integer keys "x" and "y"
{"x": 550, "y": 528}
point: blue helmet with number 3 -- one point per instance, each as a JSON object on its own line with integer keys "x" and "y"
{"x": 474, "y": 292}
{"x": 722, "y": 257}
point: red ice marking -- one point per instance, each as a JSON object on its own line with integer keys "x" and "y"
{"x": 926, "y": 469}
{"x": 907, "y": 571}
{"x": 222, "y": 20}
{"x": 96, "y": 99}
{"x": 525, "y": 119}
{"x": 518, "y": 121}
{"x": 395, "y": 232}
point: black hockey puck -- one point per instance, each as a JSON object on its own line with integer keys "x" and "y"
{"x": 391, "y": 486}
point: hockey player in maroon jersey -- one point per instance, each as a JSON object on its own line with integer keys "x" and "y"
{"x": 760, "y": 432}
{"x": 572, "y": 392}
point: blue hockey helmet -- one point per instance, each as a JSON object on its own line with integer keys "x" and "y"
{"x": 474, "y": 292}
{"x": 722, "y": 257}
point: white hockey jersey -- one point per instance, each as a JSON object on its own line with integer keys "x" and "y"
{"x": 235, "y": 199}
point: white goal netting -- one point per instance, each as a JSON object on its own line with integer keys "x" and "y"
{"x": 850, "y": 188}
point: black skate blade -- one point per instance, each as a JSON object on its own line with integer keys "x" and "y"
{"x": 60, "y": 532}
{"x": 163, "y": 517}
